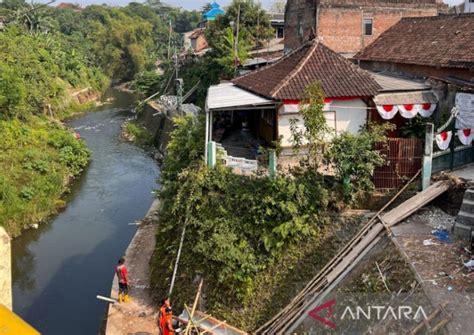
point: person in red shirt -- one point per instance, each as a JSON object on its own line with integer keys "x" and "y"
{"x": 122, "y": 276}
{"x": 165, "y": 318}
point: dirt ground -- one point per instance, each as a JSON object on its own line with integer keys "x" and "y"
{"x": 439, "y": 266}
{"x": 137, "y": 317}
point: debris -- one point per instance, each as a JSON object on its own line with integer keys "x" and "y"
{"x": 35, "y": 226}
{"x": 469, "y": 264}
{"x": 428, "y": 242}
{"x": 441, "y": 235}
{"x": 450, "y": 288}
{"x": 142, "y": 315}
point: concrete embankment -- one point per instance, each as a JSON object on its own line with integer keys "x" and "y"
{"x": 138, "y": 315}
{"x": 5, "y": 270}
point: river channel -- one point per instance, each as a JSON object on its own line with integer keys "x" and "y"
{"x": 59, "y": 268}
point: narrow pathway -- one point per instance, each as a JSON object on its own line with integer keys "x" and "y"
{"x": 138, "y": 315}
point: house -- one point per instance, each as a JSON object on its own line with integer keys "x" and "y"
{"x": 256, "y": 109}
{"x": 348, "y": 26}
{"x": 213, "y": 13}
{"x": 277, "y": 21}
{"x": 468, "y": 6}
{"x": 198, "y": 40}
{"x": 440, "y": 49}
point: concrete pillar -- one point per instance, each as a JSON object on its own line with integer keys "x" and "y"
{"x": 212, "y": 153}
{"x": 428, "y": 156}
{"x": 272, "y": 163}
{"x": 5, "y": 269}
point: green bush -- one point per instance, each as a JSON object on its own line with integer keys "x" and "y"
{"x": 36, "y": 160}
{"x": 138, "y": 134}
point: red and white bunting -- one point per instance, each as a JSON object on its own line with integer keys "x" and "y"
{"x": 444, "y": 139}
{"x": 427, "y": 109}
{"x": 465, "y": 136}
{"x": 387, "y": 112}
{"x": 409, "y": 111}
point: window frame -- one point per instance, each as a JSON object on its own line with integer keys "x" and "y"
{"x": 365, "y": 24}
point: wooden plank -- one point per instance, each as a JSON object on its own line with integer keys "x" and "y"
{"x": 410, "y": 206}
{"x": 333, "y": 270}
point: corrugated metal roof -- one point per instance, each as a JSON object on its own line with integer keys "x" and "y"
{"x": 391, "y": 83}
{"x": 229, "y": 96}
{"x": 406, "y": 98}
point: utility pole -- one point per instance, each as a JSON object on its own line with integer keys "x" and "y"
{"x": 179, "y": 84}
{"x": 169, "y": 41}
{"x": 236, "y": 41}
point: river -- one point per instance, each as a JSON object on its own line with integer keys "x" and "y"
{"x": 59, "y": 268}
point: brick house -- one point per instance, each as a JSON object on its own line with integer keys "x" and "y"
{"x": 347, "y": 26}
{"x": 440, "y": 49}
{"x": 198, "y": 40}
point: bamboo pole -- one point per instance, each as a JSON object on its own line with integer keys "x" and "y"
{"x": 188, "y": 326}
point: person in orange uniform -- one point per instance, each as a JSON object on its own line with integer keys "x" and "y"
{"x": 122, "y": 276}
{"x": 165, "y": 318}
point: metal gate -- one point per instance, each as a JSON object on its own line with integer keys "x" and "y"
{"x": 403, "y": 159}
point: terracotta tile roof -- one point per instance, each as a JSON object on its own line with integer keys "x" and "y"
{"x": 287, "y": 78}
{"x": 444, "y": 41}
{"x": 196, "y": 33}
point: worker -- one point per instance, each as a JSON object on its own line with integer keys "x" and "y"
{"x": 122, "y": 276}
{"x": 165, "y": 318}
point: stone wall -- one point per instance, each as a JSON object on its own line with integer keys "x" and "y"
{"x": 5, "y": 270}
{"x": 339, "y": 24}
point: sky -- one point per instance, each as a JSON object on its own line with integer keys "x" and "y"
{"x": 189, "y": 4}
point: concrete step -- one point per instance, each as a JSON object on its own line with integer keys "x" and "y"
{"x": 466, "y": 218}
{"x": 467, "y": 206}
{"x": 462, "y": 231}
{"x": 469, "y": 194}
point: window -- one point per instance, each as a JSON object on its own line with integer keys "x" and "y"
{"x": 368, "y": 26}
{"x": 299, "y": 27}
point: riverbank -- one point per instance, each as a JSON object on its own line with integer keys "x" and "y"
{"x": 38, "y": 160}
{"x": 139, "y": 315}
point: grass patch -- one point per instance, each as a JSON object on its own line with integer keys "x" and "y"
{"x": 137, "y": 134}
{"x": 37, "y": 160}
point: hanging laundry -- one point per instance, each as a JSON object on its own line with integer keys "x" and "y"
{"x": 387, "y": 112}
{"x": 444, "y": 139}
{"x": 408, "y": 111}
{"x": 427, "y": 109}
{"x": 465, "y": 136}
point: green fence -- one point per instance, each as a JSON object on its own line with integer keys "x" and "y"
{"x": 445, "y": 160}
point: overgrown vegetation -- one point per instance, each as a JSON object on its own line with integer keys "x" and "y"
{"x": 137, "y": 134}
{"x": 37, "y": 159}
{"x": 246, "y": 235}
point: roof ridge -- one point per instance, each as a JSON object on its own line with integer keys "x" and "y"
{"x": 297, "y": 70}
{"x": 288, "y": 55}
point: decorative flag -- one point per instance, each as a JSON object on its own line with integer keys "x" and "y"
{"x": 387, "y": 112}
{"x": 444, "y": 139}
{"x": 427, "y": 109}
{"x": 465, "y": 136}
{"x": 408, "y": 111}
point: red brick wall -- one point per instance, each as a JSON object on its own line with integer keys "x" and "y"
{"x": 339, "y": 23}
{"x": 341, "y": 29}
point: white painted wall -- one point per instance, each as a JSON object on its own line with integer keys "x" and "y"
{"x": 350, "y": 116}
{"x": 469, "y": 6}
